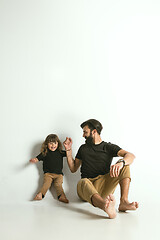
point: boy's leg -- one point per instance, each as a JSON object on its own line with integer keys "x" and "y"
{"x": 58, "y": 181}
{"x": 46, "y": 185}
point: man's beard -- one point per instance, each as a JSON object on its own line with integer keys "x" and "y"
{"x": 89, "y": 140}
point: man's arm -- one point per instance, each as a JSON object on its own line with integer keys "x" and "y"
{"x": 73, "y": 164}
{"x": 127, "y": 156}
{"x": 128, "y": 159}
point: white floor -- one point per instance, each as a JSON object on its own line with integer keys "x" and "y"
{"x": 50, "y": 219}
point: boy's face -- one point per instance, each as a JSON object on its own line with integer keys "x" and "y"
{"x": 52, "y": 146}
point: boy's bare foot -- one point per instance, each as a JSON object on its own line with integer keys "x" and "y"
{"x": 110, "y": 206}
{"x": 63, "y": 198}
{"x": 38, "y": 196}
{"x": 126, "y": 205}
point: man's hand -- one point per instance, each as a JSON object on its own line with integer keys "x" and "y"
{"x": 33, "y": 160}
{"x": 67, "y": 143}
{"x": 115, "y": 169}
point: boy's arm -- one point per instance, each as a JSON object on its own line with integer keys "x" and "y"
{"x": 34, "y": 160}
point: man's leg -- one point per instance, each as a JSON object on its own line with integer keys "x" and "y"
{"x": 106, "y": 185}
{"x": 87, "y": 192}
{"x": 107, "y": 204}
{"x": 124, "y": 203}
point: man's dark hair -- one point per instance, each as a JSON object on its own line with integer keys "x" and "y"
{"x": 93, "y": 124}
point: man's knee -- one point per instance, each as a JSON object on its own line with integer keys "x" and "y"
{"x": 125, "y": 172}
{"x": 83, "y": 185}
{"x": 85, "y": 189}
{"x": 83, "y": 182}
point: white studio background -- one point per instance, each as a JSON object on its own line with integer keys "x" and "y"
{"x": 63, "y": 62}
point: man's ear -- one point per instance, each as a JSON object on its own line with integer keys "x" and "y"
{"x": 94, "y": 131}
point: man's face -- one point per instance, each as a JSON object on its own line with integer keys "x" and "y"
{"x": 87, "y": 134}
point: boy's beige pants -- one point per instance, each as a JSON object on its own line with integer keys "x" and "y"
{"x": 102, "y": 184}
{"x": 57, "y": 180}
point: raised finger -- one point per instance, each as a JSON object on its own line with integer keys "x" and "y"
{"x": 118, "y": 171}
{"x": 114, "y": 170}
{"x": 111, "y": 171}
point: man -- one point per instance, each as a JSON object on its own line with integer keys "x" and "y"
{"x": 98, "y": 178}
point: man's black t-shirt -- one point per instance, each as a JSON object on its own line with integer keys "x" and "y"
{"x": 96, "y": 158}
{"x": 53, "y": 161}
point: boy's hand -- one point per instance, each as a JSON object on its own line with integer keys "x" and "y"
{"x": 67, "y": 143}
{"x": 33, "y": 160}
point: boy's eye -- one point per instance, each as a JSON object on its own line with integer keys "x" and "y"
{"x": 52, "y": 143}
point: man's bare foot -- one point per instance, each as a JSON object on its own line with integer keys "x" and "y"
{"x": 38, "y": 196}
{"x": 125, "y": 205}
{"x": 110, "y": 206}
{"x": 63, "y": 198}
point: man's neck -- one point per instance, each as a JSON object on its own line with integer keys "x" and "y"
{"x": 97, "y": 140}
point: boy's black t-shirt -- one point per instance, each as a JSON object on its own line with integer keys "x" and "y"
{"x": 96, "y": 158}
{"x": 53, "y": 161}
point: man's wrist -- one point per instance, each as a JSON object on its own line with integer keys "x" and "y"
{"x": 68, "y": 149}
{"x": 121, "y": 160}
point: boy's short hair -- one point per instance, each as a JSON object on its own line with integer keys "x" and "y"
{"x": 93, "y": 124}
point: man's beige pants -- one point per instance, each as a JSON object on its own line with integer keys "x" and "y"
{"x": 102, "y": 184}
{"x": 57, "y": 180}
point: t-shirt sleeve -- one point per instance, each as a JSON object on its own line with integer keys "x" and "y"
{"x": 40, "y": 157}
{"x": 79, "y": 153}
{"x": 113, "y": 149}
{"x": 63, "y": 153}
